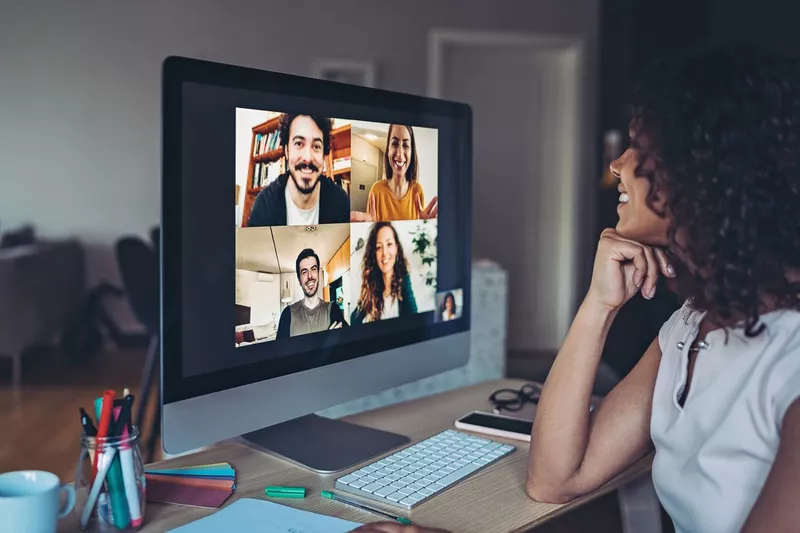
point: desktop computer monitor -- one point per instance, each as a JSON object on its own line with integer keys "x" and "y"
{"x": 340, "y": 268}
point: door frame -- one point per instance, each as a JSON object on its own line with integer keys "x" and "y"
{"x": 575, "y": 164}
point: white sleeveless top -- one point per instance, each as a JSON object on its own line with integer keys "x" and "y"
{"x": 714, "y": 454}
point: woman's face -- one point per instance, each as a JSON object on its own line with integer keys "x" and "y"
{"x": 448, "y": 304}
{"x": 386, "y": 250}
{"x": 399, "y": 153}
{"x": 637, "y": 221}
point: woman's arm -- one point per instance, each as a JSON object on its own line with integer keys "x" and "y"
{"x": 571, "y": 451}
{"x": 776, "y": 510}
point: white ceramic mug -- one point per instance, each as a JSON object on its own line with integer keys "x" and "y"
{"x": 30, "y": 501}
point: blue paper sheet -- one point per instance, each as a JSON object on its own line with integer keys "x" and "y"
{"x": 248, "y": 514}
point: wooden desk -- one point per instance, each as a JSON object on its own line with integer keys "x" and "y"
{"x": 494, "y": 499}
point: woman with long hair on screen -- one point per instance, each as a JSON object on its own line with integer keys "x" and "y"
{"x": 385, "y": 282}
{"x": 710, "y": 200}
{"x": 399, "y": 196}
{"x": 448, "y": 309}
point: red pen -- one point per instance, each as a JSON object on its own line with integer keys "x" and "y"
{"x": 103, "y": 425}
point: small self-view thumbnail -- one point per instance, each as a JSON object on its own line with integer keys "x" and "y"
{"x": 449, "y": 305}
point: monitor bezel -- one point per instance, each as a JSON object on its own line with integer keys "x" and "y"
{"x": 179, "y": 70}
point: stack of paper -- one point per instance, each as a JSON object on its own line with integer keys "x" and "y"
{"x": 200, "y": 486}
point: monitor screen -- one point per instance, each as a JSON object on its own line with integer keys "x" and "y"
{"x": 346, "y": 235}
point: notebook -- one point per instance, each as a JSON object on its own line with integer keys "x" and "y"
{"x": 248, "y": 514}
{"x": 200, "y": 486}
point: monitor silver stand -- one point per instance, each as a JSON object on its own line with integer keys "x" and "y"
{"x": 324, "y": 445}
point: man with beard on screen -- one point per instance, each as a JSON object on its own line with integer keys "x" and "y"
{"x": 302, "y": 196}
{"x": 312, "y": 313}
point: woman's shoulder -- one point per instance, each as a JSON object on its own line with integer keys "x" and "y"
{"x": 679, "y": 321}
{"x": 379, "y": 187}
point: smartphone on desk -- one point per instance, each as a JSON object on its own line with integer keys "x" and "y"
{"x": 499, "y": 425}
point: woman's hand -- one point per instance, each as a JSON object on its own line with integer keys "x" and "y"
{"x": 394, "y": 527}
{"x": 432, "y": 211}
{"x": 622, "y": 268}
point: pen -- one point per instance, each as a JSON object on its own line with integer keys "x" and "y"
{"x": 126, "y": 459}
{"x": 98, "y": 482}
{"x": 104, "y": 420}
{"x": 88, "y": 426}
{"x": 335, "y": 497}
{"x": 114, "y": 479}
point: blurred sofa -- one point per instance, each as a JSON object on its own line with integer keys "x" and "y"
{"x": 41, "y": 289}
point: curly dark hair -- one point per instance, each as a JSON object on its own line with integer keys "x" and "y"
{"x": 323, "y": 123}
{"x": 372, "y": 286}
{"x": 722, "y": 128}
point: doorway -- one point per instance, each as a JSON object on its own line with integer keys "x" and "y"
{"x": 528, "y": 146}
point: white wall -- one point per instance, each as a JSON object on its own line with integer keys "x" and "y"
{"x": 262, "y": 297}
{"x": 427, "y": 140}
{"x": 363, "y": 154}
{"x": 80, "y": 133}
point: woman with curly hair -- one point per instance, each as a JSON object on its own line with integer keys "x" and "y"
{"x": 385, "y": 283}
{"x": 709, "y": 199}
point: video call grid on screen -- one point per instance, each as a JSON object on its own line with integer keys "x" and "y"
{"x": 298, "y": 277}
{"x": 218, "y": 117}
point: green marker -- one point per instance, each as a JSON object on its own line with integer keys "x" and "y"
{"x": 275, "y": 491}
{"x": 335, "y": 497}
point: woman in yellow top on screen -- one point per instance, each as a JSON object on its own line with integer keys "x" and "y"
{"x": 399, "y": 196}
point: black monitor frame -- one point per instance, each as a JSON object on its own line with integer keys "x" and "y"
{"x": 179, "y": 70}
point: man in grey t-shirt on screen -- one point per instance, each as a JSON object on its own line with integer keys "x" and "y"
{"x": 312, "y": 313}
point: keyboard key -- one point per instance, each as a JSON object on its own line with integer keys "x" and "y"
{"x": 396, "y": 497}
{"x": 458, "y": 474}
{"x": 385, "y": 491}
{"x": 349, "y": 478}
{"x": 357, "y": 484}
{"x": 372, "y": 487}
{"x": 408, "y": 501}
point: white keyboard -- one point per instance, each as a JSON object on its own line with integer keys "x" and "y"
{"x": 409, "y": 477}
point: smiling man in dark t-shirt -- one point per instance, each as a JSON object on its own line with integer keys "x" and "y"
{"x": 302, "y": 196}
{"x": 312, "y": 313}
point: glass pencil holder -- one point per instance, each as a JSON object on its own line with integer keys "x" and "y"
{"x": 110, "y": 473}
